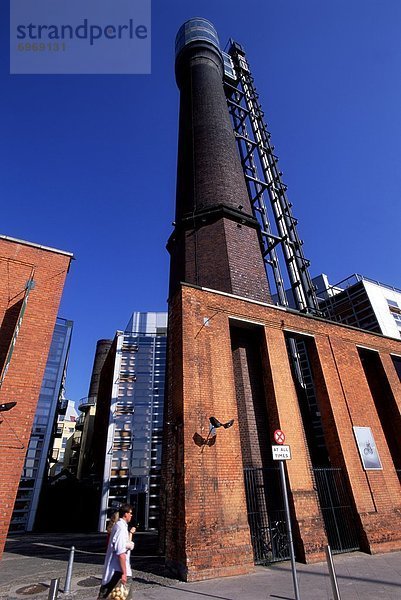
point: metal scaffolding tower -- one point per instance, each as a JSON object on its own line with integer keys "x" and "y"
{"x": 277, "y": 223}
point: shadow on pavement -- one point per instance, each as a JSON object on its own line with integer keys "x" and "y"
{"x": 181, "y": 590}
{"x": 341, "y": 576}
{"x": 90, "y": 548}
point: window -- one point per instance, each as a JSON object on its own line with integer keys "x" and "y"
{"x": 397, "y": 319}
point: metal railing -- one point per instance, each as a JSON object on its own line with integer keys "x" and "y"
{"x": 356, "y": 278}
{"x": 337, "y": 510}
{"x": 266, "y": 515}
{"x": 86, "y": 402}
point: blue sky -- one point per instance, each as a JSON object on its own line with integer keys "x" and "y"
{"x": 88, "y": 163}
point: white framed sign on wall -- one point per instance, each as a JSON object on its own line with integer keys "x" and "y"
{"x": 367, "y": 449}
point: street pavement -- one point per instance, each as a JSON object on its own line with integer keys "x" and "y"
{"x": 31, "y": 561}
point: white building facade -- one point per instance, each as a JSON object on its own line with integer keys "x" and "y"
{"x": 132, "y": 467}
{"x": 362, "y": 302}
{"x": 65, "y": 429}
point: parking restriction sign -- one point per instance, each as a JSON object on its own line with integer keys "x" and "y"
{"x": 281, "y": 452}
{"x": 279, "y": 436}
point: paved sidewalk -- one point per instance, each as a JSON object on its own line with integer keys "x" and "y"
{"x": 31, "y": 561}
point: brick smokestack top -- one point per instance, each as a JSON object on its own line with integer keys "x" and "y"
{"x": 215, "y": 243}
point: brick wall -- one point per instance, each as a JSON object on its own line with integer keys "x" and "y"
{"x": 209, "y": 171}
{"x": 206, "y": 521}
{"x": 220, "y": 254}
{"x": 172, "y": 531}
{"x": 215, "y": 242}
{"x": 24, "y": 377}
{"x": 385, "y": 402}
{"x": 251, "y": 400}
{"x": 205, "y": 487}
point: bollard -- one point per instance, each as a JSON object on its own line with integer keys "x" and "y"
{"x": 67, "y": 586}
{"x": 53, "y": 590}
{"x": 332, "y": 573}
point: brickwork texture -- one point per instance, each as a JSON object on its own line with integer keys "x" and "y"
{"x": 211, "y": 336}
{"x": 22, "y": 382}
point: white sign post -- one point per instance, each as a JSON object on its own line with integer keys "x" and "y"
{"x": 281, "y": 453}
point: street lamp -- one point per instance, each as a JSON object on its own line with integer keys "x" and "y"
{"x": 7, "y": 406}
{"x": 215, "y": 423}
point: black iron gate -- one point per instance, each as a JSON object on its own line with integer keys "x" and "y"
{"x": 266, "y": 515}
{"x": 337, "y": 510}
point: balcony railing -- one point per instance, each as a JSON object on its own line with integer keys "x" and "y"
{"x": 86, "y": 403}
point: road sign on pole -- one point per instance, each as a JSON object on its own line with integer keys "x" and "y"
{"x": 289, "y": 530}
{"x": 279, "y": 436}
{"x": 281, "y": 453}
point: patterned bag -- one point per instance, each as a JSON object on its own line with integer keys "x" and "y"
{"x": 119, "y": 592}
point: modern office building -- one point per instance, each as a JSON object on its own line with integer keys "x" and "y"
{"x": 129, "y": 411}
{"x": 51, "y": 406}
{"x": 361, "y": 302}
{"x": 233, "y": 355}
{"x": 31, "y": 283}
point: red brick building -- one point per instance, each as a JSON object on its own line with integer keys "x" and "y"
{"x": 232, "y": 354}
{"x": 31, "y": 284}
{"x": 208, "y": 532}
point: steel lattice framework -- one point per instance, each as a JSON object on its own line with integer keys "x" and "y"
{"x": 278, "y": 226}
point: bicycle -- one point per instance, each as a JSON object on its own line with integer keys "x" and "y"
{"x": 368, "y": 449}
{"x": 271, "y": 543}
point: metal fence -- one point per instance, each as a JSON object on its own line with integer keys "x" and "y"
{"x": 337, "y": 509}
{"x": 266, "y": 515}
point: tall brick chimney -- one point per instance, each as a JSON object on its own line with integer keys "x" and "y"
{"x": 215, "y": 242}
{"x": 228, "y": 358}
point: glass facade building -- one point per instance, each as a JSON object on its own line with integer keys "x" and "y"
{"x": 134, "y": 441}
{"x": 50, "y": 403}
{"x": 362, "y": 302}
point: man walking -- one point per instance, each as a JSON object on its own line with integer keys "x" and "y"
{"x": 117, "y": 564}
